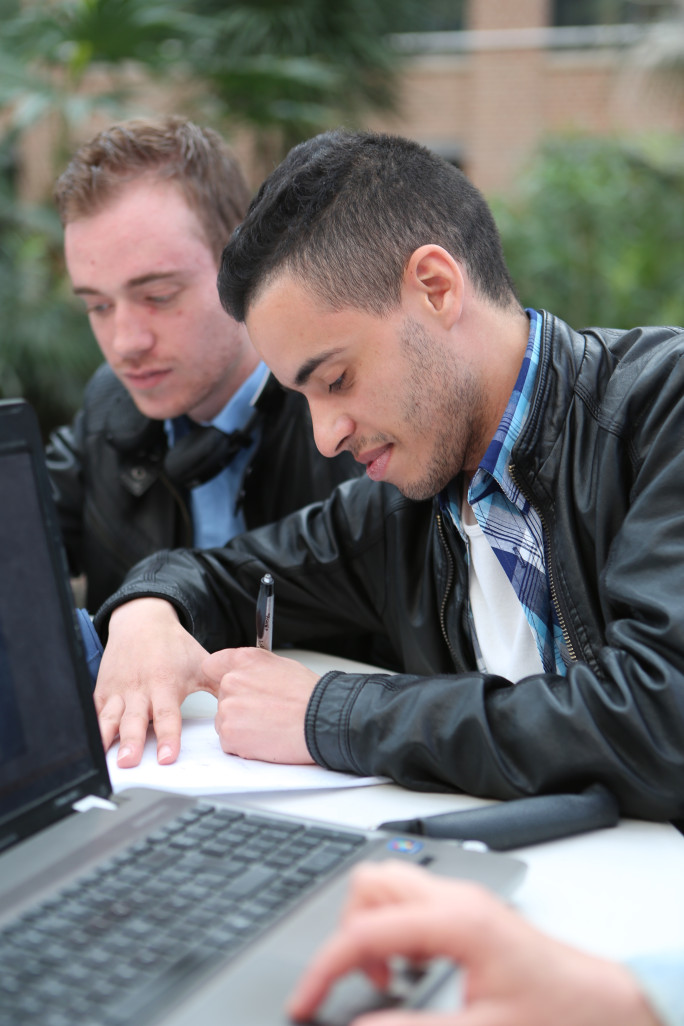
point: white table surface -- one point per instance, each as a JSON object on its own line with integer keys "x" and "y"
{"x": 616, "y": 892}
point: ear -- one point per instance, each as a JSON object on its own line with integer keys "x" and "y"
{"x": 433, "y": 278}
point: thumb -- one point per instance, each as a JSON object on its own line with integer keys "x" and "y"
{"x": 216, "y": 665}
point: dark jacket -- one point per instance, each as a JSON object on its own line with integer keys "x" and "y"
{"x": 117, "y": 504}
{"x": 601, "y": 457}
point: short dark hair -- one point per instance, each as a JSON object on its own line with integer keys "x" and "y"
{"x": 344, "y": 211}
{"x": 170, "y": 148}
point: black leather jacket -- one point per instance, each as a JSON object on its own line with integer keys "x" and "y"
{"x": 601, "y": 457}
{"x": 117, "y": 505}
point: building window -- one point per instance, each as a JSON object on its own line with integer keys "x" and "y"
{"x": 610, "y": 12}
{"x": 431, "y": 16}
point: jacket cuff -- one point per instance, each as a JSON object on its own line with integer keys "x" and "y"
{"x": 127, "y": 593}
{"x": 326, "y": 725}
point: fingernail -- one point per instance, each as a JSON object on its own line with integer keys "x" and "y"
{"x": 164, "y": 753}
{"x": 123, "y": 753}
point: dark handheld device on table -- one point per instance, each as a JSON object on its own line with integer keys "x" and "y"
{"x": 523, "y": 821}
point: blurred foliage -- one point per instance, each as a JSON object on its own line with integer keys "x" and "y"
{"x": 47, "y": 351}
{"x": 595, "y": 232}
{"x": 297, "y": 68}
{"x": 287, "y": 68}
{"x": 291, "y": 66}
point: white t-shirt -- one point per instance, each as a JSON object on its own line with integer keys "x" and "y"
{"x": 507, "y": 643}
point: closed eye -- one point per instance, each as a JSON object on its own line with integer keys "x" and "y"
{"x": 338, "y": 383}
{"x": 98, "y": 308}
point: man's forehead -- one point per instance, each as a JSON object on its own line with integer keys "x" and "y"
{"x": 129, "y": 246}
{"x": 283, "y": 322}
{"x": 149, "y": 207}
{"x": 278, "y": 288}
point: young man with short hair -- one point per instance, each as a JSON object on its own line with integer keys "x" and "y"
{"x": 518, "y": 537}
{"x": 147, "y": 206}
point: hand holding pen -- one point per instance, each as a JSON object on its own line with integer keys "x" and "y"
{"x": 262, "y": 697}
{"x": 264, "y": 613}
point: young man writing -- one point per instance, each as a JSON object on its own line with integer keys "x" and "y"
{"x": 518, "y": 537}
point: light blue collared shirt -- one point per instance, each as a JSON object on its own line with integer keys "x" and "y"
{"x": 215, "y": 516}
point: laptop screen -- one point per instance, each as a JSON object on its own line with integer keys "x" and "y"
{"x": 47, "y": 753}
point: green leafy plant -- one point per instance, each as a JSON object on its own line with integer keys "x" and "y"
{"x": 47, "y": 351}
{"x": 595, "y": 231}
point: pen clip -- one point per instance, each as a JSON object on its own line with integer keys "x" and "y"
{"x": 264, "y": 613}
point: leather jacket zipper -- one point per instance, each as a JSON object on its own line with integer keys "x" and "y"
{"x": 450, "y": 581}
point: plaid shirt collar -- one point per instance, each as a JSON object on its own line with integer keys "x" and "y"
{"x": 513, "y": 527}
{"x": 496, "y": 460}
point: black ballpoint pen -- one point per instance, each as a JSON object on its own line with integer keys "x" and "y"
{"x": 264, "y": 613}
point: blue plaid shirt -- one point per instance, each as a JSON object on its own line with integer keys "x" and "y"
{"x": 511, "y": 526}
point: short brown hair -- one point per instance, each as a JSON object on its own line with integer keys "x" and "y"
{"x": 169, "y": 148}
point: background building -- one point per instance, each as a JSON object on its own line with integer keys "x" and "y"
{"x": 518, "y": 70}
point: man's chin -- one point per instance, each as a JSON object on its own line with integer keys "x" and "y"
{"x": 420, "y": 491}
{"x": 417, "y": 492}
{"x": 157, "y": 410}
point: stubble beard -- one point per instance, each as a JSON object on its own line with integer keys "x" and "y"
{"x": 444, "y": 400}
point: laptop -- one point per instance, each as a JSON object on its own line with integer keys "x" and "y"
{"x": 147, "y": 906}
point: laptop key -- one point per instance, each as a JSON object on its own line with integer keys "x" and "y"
{"x": 252, "y": 880}
{"x": 322, "y": 861}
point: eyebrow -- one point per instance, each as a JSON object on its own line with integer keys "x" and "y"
{"x": 143, "y": 279}
{"x": 311, "y": 365}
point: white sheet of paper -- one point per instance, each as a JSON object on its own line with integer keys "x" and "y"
{"x": 203, "y": 768}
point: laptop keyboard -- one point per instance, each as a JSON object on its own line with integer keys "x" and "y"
{"x": 128, "y": 936}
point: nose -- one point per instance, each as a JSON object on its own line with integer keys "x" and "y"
{"x": 132, "y": 336}
{"x": 332, "y": 429}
